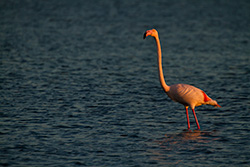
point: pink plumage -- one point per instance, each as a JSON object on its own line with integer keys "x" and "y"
{"x": 187, "y": 95}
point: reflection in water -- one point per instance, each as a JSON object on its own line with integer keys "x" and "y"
{"x": 195, "y": 135}
{"x": 167, "y": 149}
{"x": 187, "y": 136}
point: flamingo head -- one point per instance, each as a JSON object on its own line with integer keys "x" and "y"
{"x": 152, "y": 33}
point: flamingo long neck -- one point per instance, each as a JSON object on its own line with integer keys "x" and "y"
{"x": 161, "y": 76}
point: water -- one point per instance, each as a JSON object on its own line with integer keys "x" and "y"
{"x": 79, "y": 85}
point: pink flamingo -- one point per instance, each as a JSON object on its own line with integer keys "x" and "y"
{"x": 187, "y": 95}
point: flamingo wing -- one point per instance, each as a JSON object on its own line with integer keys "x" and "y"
{"x": 186, "y": 94}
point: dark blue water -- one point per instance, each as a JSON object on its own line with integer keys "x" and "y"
{"x": 79, "y": 85}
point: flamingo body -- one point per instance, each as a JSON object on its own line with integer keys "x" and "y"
{"x": 185, "y": 94}
{"x": 189, "y": 95}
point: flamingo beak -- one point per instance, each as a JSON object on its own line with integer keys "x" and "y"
{"x": 217, "y": 105}
{"x": 145, "y": 35}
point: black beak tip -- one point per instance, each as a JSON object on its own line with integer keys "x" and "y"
{"x": 144, "y": 36}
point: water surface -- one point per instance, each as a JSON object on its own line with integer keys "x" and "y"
{"x": 79, "y": 85}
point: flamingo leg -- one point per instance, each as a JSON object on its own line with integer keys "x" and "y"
{"x": 187, "y": 118}
{"x": 196, "y": 120}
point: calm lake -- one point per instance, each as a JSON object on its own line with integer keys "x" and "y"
{"x": 79, "y": 85}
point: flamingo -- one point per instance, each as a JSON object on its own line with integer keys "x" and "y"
{"x": 185, "y": 94}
